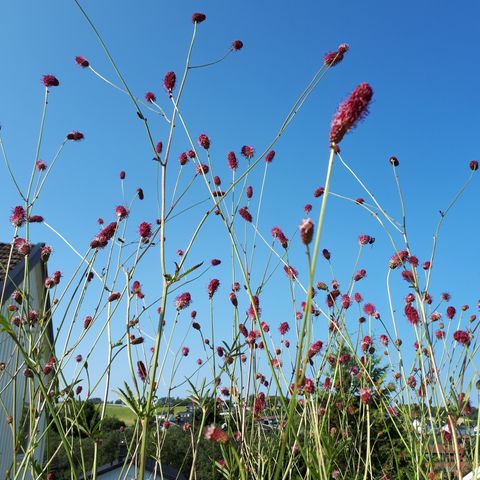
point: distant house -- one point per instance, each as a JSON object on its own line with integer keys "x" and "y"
{"x": 14, "y": 402}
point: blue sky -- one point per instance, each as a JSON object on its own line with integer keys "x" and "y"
{"x": 419, "y": 57}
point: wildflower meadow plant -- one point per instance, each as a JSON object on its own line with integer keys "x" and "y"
{"x": 326, "y": 390}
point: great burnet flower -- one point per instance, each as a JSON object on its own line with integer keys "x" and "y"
{"x": 50, "y": 81}
{"x": 350, "y": 112}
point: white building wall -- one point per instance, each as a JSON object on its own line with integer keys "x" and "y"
{"x": 12, "y": 397}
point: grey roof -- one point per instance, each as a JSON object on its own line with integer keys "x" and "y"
{"x": 16, "y": 266}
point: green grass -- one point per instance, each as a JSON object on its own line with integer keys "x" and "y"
{"x": 126, "y": 415}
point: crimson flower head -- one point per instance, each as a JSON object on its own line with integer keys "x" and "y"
{"x": 40, "y": 165}
{"x": 326, "y": 254}
{"x": 451, "y": 312}
{"x": 270, "y": 156}
{"x": 350, "y": 112}
{"x": 473, "y": 165}
{"x": 183, "y": 301}
{"x": 202, "y": 168}
{"x": 318, "y": 192}
{"x": 150, "y": 97}
{"x": 185, "y": 351}
{"x": 280, "y": 236}
{"x": 249, "y": 191}
{"x": 284, "y": 328}
{"x": 18, "y": 216}
{"x": 248, "y": 151}
{"x": 23, "y": 247}
{"x": 215, "y": 434}
{"x": 50, "y": 81}
{"x": 204, "y": 141}
{"x": 140, "y": 194}
{"x": 365, "y": 395}
{"x": 82, "y": 61}
{"x": 237, "y": 45}
{"x": 232, "y": 160}
{"x": 142, "y": 370}
{"x": 215, "y": 262}
{"x": 411, "y": 313}
{"x": 121, "y": 212}
{"x": 306, "y": 231}
{"x": 213, "y": 287}
{"x": 333, "y": 58}
{"x": 75, "y": 136}
{"x": 198, "y": 17}
{"x": 462, "y": 337}
{"x": 169, "y": 81}
{"x": 245, "y": 214}
{"x": 291, "y": 272}
{"x": 122, "y": 175}
{"x": 159, "y": 147}
{"x": 145, "y": 230}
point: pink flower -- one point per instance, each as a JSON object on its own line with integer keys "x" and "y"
{"x": 121, "y": 212}
{"x": 159, "y": 147}
{"x": 183, "y": 159}
{"x": 333, "y": 58}
{"x": 217, "y": 181}
{"x": 398, "y": 259}
{"x": 384, "y": 340}
{"x": 440, "y": 334}
{"x": 314, "y": 349}
{"x": 40, "y": 165}
{"x": 307, "y": 208}
{"x": 451, "y": 312}
{"x": 462, "y": 337}
{"x": 142, "y": 370}
{"x": 270, "y": 156}
{"x": 350, "y": 112}
{"x": 306, "y": 231}
{"x": 408, "y": 276}
{"x": 346, "y": 301}
{"x": 183, "y": 301}
{"x": 45, "y": 253}
{"x": 204, "y": 141}
{"x": 198, "y": 17}
{"x": 247, "y": 151}
{"x": 87, "y": 322}
{"x": 366, "y": 343}
{"x": 50, "y": 81}
{"x": 215, "y": 434}
{"x": 290, "y": 272}
{"x": 145, "y": 230}
{"x": 279, "y": 235}
{"x": 169, "y": 82}
{"x": 365, "y": 395}
{"x": 75, "y": 136}
{"x": 237, "y": 45}
{"x": 254, "y": 310}
{"x": 114, "y": 296}
{"x": 318, "y": 192}
{"x": 473, "y": 165}
{"x": 213, "y": 287}
{"x": 82, "y": 61}
{"x": 245, "y": 214}
{"x": 150, "y": 97}
{"x": 284, "y": 328}
{"x": 202, "y": 168}
{"x": 411, "y": 314}
{"x": 18, "y": 216}
{"x": 23, "y": 247}
{"x": 249, "y": 192}
{"x": 365, "y": 239}
{"x": 185, "y": 351}
{"x": 358, "y": 297}
{"x": 122, "y": 175}
{"x": 369, "y": 309}
{"x": 232, "y": 160}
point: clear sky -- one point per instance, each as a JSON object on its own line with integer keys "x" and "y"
{"x": 420, "y": 58}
